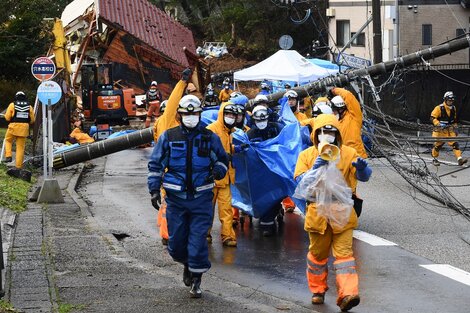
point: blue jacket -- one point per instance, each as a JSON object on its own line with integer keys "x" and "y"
{"x": 182, "y": 162}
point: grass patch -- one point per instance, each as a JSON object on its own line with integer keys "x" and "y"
{"x": 13, "y": 191}
{"x": 6, "y": 307}
{"x": 66, "y": 308}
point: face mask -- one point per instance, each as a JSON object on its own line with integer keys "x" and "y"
{"x": 229, "y": 120}
{"x": 337, "y": 116}
{"x": 326, "y": 138}
{"x": 190, "y": 121}
{"x": 262, "y": 124}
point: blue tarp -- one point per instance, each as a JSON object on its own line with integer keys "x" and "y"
{"x": 264, "y": 172}
{"x": 324, "y": 64}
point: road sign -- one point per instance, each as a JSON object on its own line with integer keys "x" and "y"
{"x": 43, "y": 68}
{"x": 49, "y": 92}
{"x": 286, "y": 42}
{"x": 353, "y": 61}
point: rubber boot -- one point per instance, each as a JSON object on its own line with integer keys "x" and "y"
{"x": 195, "y": 291}
{"x": 186, "y": 276}
{"x": 349, "y": 302}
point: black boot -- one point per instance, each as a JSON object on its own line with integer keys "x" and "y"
{"x": 195, "y": 291}
{"x": 186, "y": 276}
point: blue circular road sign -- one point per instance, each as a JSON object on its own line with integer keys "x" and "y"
{"x": 49, "y": 92}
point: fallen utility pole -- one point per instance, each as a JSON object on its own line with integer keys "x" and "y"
{"x": 377, "y": 69}
{"x": 145, "y": 136}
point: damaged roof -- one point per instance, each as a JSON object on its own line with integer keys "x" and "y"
{"x": 151, "y": 25}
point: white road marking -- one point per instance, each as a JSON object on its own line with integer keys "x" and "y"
{"x": 373, "y": 240}
{"x": 449, "y": 271}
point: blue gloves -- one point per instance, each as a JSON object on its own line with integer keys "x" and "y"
{"x": 156, "y": 200}
{"x": 363, "y": 171}
{"x": 240, "y": 148}
{"x": 319, "y": 162}
{"x": 219, "y": 172}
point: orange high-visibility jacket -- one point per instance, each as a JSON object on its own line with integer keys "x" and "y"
{"x": 225, "y": 135}
{"x": 351, "y": 123}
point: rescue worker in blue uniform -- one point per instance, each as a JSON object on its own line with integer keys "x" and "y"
{"x": 186, "y": 161}
{"x": 263, "y": 130}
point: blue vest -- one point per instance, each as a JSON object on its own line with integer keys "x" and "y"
{"x": 190, "y": 163}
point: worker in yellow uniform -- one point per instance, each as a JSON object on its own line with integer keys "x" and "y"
{"x": 444, "y": 118}
{"x": 168, "y": 119}
{"x": 324, "y": 235}
{"x": 224, "y": 94}
{"x": 78, "y": 136}
{"x": 20, "y": 115}
{"x": 223, "y": 127}
{"x": 348, "y": 111}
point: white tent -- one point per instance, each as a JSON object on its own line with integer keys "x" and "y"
{"x": 286, "y": 65}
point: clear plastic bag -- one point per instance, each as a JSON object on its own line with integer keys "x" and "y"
{"x": 327, "y": 188}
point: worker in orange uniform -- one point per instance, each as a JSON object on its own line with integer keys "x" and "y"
{"x": 167, "y": 120}
{"x": 20, "y": 115}
{"x": 223, "y": 127}
{"x": 224, "y": 94}
{"x": 348, "y": 111}
{"x": 326, "y": 236}
{"x": 153, "y": 98}
{"x": 444, "y": 118}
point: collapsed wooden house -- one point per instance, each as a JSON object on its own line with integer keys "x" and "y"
{"x": 141, "y": 42}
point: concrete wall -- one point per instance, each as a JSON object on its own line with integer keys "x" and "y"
{"x": 444, "y": 20}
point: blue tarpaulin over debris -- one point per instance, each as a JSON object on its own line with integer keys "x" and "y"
{"x": 264, "y": 172}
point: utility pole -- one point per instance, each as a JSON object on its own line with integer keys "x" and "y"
{"x": 377, "y": 31}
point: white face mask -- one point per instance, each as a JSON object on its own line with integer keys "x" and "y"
{"x": 190, "y": 121}
{"x": 337, "y": 116}
{"x": 326, "y": 138}
{"x": 230, "y": 121}
{"x": 261, "y": 124}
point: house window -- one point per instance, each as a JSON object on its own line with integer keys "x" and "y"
{"x": 360, "y": 40}
{"x": 459, "y": 32}
{"x": 427, "y": 35}
{"x": 343, "y": 32}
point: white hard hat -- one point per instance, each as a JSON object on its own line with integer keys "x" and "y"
{"x": 260, "y": 113}
{"x": 449, "y": 95}
{"x": 154, "y": 83}
{"x": 163, "y": 106}
{"x": 291, "y": 94}
{"x": 189, "y": 103}
{"x": 338, "y": 102}
{"x": 261, "y": 98}
{"x": 321, "y": 108}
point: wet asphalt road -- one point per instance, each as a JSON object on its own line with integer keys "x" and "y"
{"x": 391, "y": 278}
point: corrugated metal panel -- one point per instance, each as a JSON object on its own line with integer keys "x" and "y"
{"x": 151, "y": 25}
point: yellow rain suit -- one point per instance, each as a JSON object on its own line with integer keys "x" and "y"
{"x": 18, "y": 131}
{"x": 80, "y": 136}
{"x": 448, "y": 115}
{"x": 224, "y": 95}
{"x": 222, "y": 193}
{"x": 324, "y": 236}
{"x": 351, "y": 122}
